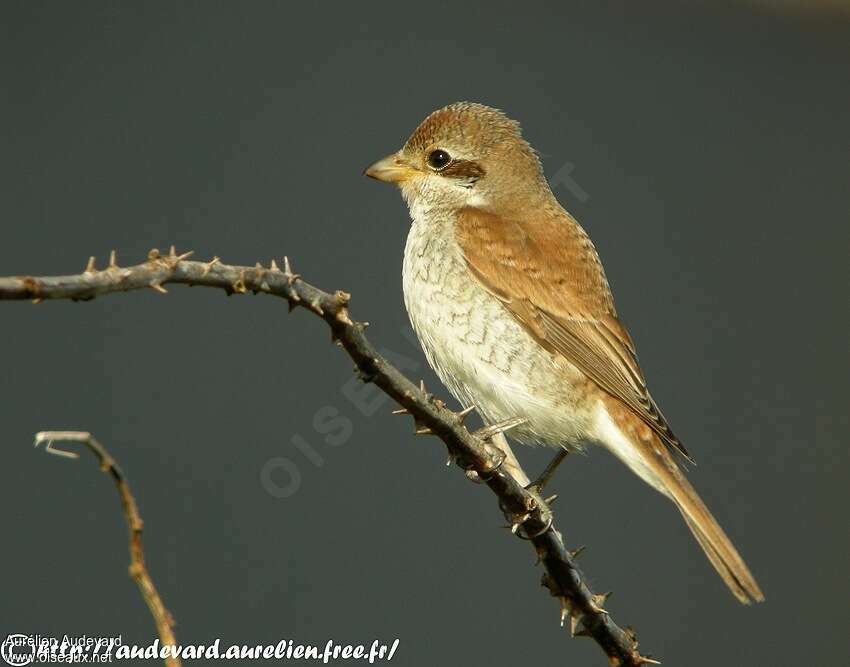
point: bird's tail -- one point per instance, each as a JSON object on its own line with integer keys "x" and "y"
{"x": 717, "y": 546}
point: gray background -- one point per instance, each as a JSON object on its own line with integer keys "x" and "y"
{"x": 710, "y": 150}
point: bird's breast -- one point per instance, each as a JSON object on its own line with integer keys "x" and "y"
{"x": 478, "y": 350}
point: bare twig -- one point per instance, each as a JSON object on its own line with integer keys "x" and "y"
{"x": 138, "y": 571}
{"x": 531, "y": 518}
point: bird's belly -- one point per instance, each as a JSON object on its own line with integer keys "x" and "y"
{"x": 483, "y": 355}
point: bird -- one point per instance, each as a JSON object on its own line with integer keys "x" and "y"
{"x": 509, "y": 300}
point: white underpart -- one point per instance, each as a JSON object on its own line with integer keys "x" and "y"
{"x": 480, "y": 352}
{"x": 613, "y": 439}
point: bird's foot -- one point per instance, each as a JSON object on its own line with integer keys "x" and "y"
{"x": 497, "y": 459}
{"x": 540, "y": 483}
{"x": 487, "y": 434}
{"x": 536, "y": 520}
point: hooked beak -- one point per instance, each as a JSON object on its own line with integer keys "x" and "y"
{"x": 392, "y": 169}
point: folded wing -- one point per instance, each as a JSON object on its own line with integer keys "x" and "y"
{"x": 546, "y": 272}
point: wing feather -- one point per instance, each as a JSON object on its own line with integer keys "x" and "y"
{"x": 547, "y": 274}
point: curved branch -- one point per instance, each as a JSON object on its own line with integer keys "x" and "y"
{"x": 471, "y": 451}
{"x": 138, "y": 571}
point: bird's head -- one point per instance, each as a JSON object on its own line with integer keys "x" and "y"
{"x": 465, "y": 154}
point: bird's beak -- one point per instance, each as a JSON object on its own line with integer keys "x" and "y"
{"x": 392, "y": 169}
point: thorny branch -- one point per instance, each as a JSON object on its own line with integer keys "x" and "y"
{"x": 530, "y": 516}
{"x": 138, "y": 571}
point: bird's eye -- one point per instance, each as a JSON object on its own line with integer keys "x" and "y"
{"x": 438, "y": 159}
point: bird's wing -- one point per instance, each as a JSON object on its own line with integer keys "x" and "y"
{"x": 546, "y": 272}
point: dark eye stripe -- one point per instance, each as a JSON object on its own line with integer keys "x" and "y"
{"x": 464, "y": 169}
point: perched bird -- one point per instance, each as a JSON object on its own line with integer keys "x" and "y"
{"x": 511, "y": 304}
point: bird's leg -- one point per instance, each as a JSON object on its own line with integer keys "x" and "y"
{"x": 535, "y": 488}
{"x": 540, "y": 483}
{"x": 511, "y": 463}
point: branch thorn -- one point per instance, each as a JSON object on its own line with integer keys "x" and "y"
{"x": 575, "y": 619}
{"x": 342, "y": 316}
{"x": 596, "y": 608}
{"x": 500, "y": 427}
{"x": 208, "y": 265}
{"x": 601, "y": 598}
{"x": 342, "y": 297}
{"x": 174, "y": 259}
{"x": 461, "y": 416}
{"x": 287, "y": 271}
{"x": 239, "y": 285}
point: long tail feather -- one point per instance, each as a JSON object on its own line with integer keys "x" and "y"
{"x": 645, "y": 454}
{"x": 711, "y": 537}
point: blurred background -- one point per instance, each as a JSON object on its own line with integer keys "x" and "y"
{"x": 704, "y": 146}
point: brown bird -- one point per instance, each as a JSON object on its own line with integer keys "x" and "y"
{"x": 511, "y": 304}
